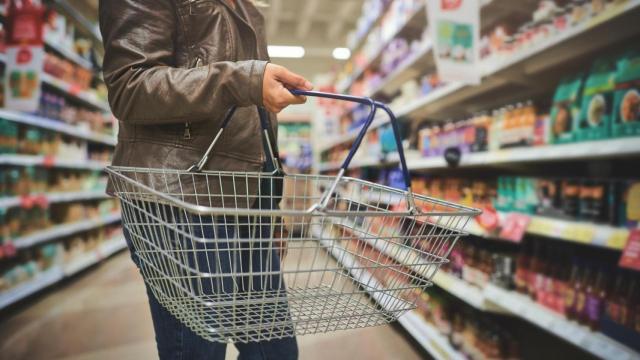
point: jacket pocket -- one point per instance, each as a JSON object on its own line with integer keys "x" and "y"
{"x": 206, "y": 30}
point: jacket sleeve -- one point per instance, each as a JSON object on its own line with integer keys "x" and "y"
{"x": 144, "y": 85}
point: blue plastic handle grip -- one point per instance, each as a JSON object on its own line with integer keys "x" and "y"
{"x": 358, "y": 141}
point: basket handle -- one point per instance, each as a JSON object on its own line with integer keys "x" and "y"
{"x": 374, "y": 105}
{"x": 270, "y": 139}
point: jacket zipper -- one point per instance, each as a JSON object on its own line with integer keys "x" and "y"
{"x": 187, "y": 131}
{"x": 187, "y": 125}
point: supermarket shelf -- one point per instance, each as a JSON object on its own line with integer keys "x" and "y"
{"x": 498, "y": 71}
{"x": 86, "y": 25}
{"x": 563, "y": 152}
{"x": 409, "y": 69}
{"x": 428, "y": 336}
{"x": 10, "y": 202}
{"x": 413, "y": 18}
{"x": 464, "y": 291}
{"x": 58, "y": 126}
{"x": 361, "y": 40}
{"x": 406, "y": 109}
{"x": 58, "y": 273}
{"x": 468, "y": 293}
{"x": 64, "y": 230}
{"x": 425, "y": 334}
{"x": 379, "y": 121}
{"x": 361, "y": 162}
{"x": 614, "y": 238}
{"x": 593, "y": 342}
{"x": 87, "y": 97}
{"x": 69, "y": 54}
{"x": 493, "y": 298}
{"x": 50, "y": 162}
{"x": 87, "y": 260}
{"x": 40, "y": 282}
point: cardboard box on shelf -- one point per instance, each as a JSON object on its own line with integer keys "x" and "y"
{"x": 626, "y": 114}
{"x": 566, "y": 107}
{"x": 594, "y": 122}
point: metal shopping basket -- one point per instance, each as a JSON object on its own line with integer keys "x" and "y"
{"x": 232, "y": 272}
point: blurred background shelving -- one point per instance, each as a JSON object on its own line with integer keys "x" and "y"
{"x": 55, "y": 218}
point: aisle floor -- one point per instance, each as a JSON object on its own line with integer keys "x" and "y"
{"x": 103, "y": 314}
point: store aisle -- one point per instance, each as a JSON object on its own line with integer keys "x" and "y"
{"x": 103, "y": 314}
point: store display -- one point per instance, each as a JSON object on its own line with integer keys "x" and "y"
{"x": 27, "y": 140}
{"x": 54, "y": 221}
{"x": 546, "y": 144}
{"x": 67, "y": 71}
{"x": 61, "y": 33}
{"x": 626, "y": 113}
{"x": 585, "y": 289}
{"x": 294, "y": 141}
{"x": 56, "y": 107}
{"x": 23, "y": 221}
{"x": 33, "y": 262}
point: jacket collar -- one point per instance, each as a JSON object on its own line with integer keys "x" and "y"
{"x": 241, "y": 6}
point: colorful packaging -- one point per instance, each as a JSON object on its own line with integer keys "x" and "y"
{"x": 629, "y": 204}
{"x": 566, "y": 108}
{"x": 626, "y": 113}
{"x": 594, "y": 122}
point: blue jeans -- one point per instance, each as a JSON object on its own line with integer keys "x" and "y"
{"x": 174, "y": 339}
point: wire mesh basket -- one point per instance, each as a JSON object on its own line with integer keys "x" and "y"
{"x": 222, "y": 259}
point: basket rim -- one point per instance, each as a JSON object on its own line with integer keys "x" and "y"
{"x": 117, "y": 171}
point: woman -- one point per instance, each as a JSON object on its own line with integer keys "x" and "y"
{"x": 173, "y": 69}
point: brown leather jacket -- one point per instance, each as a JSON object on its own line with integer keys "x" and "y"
{"x": 173, "y": 68}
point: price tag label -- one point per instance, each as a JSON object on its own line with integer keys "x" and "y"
{"x": 74, "y": 89}
{"x": 631, "y": 255}
{"x": 581, "y": 233}
{"x": 515, "y": 226}
{"x": 26, "y": 202}
{"x": 618, "y": 239}
{"x": 41, "y": 201}
{"x": 547, "y": 227}
{"x": 9, "y": 249}
{"x": 48, "y": 161}
{"x": 489, "y": 219}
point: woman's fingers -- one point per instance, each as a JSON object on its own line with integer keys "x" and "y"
{"x": 276, "y": 84}
{"x": 292, "y": 80}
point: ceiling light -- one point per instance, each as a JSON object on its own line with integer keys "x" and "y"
{"x": 341, "y": 53}
{"x": 294, "y": 52}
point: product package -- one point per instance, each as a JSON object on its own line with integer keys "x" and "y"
{"x": 594, "y": 122}
{"x": 629, "y": 204}
{"x": 626, "y": 112}
{"x": 566, "y": 108}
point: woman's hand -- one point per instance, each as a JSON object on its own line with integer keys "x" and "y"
{"x": 275, "y": 88}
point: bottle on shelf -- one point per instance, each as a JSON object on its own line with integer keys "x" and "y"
{"x": 523, "y": 263}
{"x": 596, "y": 296}
{"x": 582, "y": 287}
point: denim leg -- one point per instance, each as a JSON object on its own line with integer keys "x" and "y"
{"x": 263, "y": 257}
{"x": 174, "y": 340}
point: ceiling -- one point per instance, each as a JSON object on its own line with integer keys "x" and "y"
{"x": 318, "y": 25}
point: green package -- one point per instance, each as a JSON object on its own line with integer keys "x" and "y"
{"x": 594, "y": 122}
{"x": 566, "y": 107}
{"x": 626, "y": 112}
